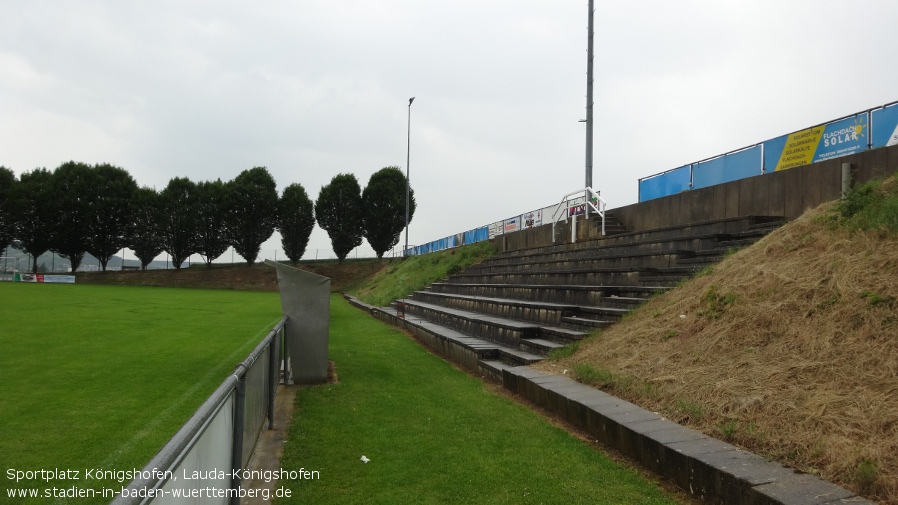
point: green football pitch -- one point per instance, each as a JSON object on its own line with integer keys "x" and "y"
{"x": 100, "y": 377}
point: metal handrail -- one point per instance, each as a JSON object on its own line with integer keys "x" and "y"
{"x": 155, "y": 473}
{"x": 592, "y": 200}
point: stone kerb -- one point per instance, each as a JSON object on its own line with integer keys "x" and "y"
{"x": 715, "y": 471}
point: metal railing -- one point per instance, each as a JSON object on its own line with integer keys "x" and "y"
{"x": 219, "y": 437}
{"x": 576, "y": 203}
{"x": 683, "y": 178}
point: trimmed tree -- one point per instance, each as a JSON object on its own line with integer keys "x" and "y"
{"x": 109, "y": 226}
{"x": 383, "y": 200}
{"x": 146, "y": 231}
{"x": 339, "y": 212}
{"x": 211, "y": 230}
{"x": 7, "y": 217}
{"x": 73, "y": 189}
{"x": 31, "y": 203}
{"x": 178, "y": 220}
{"x": 252, "y": 205}
{"x": 296, "y": 220}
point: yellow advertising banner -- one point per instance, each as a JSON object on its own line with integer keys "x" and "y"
{"x": 800, "y": 148}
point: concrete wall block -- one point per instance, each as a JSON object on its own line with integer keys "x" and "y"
{"x": 801, "y": 489}
{"x": 652, "y": 437}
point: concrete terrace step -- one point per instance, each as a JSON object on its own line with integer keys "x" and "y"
{"x": 703, "y": 261}
{"x": 607, "y": 296}
{"x": 562, "y": 335}
{"x": 612, "y": 313}
{"x": 453, "y": 344}
{"x": 610, "y": 276}
{"x": 585, "y": 322}
{"x": 540, "y": 346}
{"x": 493, "y": 368}
{"x": 683, "y": 246}
{"x": 711, "y": 230}
{"x": 608, "y": 248}
{"x": 456, "y": 345}
{"x": 540, "y": 312}
{"x": 509, "y": 332}
{"x": 544, "y": 312}
{"x": 648, "y": 259}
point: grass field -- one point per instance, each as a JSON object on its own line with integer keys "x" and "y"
{"x": 434, "y": 434}
{"x": 100, "y": 377}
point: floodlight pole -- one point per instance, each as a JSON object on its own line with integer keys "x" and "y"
{"x": 408, "y": 154}
{"x": 589, "y": 79}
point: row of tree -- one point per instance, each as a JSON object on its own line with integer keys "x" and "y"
{"x": 99, "y": 209}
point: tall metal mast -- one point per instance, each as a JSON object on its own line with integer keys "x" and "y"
{"x": 589, "y": 58}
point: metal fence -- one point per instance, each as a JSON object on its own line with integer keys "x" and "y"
{"x": 215, "y": 444}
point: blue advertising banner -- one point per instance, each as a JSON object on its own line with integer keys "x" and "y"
{"x": 668, "y": 183}
{"x": 885, "y": 126}
{"x": 773, "y": 149}
{"x": 732, "y": 167}
{"x": 818, "y": 143}
{"x": 842, "y": 138}
{"x": 477, "y": 235}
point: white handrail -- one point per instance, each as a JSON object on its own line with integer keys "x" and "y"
{"x": 593, "y": 200}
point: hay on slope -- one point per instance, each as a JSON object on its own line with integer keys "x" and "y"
{"x": 788, "y": 348}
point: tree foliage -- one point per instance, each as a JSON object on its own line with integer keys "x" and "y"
{"x": 7, "y": 215}
{"x": 211, "y": 229}
{"x": 146, "y": 238}
{"x": 110, "y": 221}
{"x": 178, "y": 220}
{"x": 252, "y": 205}
{"x": 384, "y": 209}
{"x": 31, "y": 198}
{"x": 296, "y": 220}
{"x": 339, "y": 212}
{"x": 73, "y": 186}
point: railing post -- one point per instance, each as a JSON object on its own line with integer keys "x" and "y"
{"x": 237, "y": 450}
{"x": 272, "y": 376}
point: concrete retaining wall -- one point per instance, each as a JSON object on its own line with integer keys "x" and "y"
{"x": 787, "y": 194}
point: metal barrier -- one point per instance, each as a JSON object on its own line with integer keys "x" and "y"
{"x": 218, "y": 440}
{"x": 581, "y": 205}
{"x": 868, "y": 129}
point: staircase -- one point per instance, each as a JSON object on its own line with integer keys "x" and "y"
{"x": 518, "y": 306}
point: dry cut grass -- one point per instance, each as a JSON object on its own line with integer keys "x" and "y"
{"x": 788, "y": 348}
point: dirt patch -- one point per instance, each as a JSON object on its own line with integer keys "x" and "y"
{"x": 258, "y": 277}
{"x": 788, "y": 348}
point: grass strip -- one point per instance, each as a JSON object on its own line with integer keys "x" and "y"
{"x": 100, "y": 377}
{"x": 406, "y": 275}
{"x": 434, "y": 434}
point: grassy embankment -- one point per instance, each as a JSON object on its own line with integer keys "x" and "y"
{"x": 403, "y": 276}
{"x": 788, "y": 348}
{"x": 100, "y": 377}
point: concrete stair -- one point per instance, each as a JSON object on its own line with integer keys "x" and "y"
{"x": 519, "y": 306}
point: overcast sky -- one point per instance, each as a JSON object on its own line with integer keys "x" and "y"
{"x": 313, "y": 88}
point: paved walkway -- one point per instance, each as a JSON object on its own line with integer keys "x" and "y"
{"x": 270, "y": 446}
